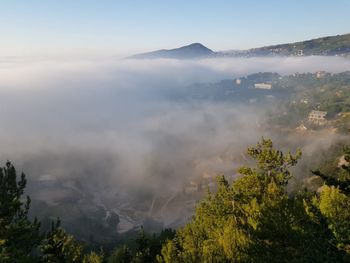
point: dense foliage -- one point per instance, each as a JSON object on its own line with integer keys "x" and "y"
{"x": 324, "y": 46}
{"x": 18, "y": 236}
{"x": 21, "y": 239}
{"x": 252, "y": 219}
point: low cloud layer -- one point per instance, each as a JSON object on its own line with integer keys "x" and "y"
{"x": 108, "y": 125}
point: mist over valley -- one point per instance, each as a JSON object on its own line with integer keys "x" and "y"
{"x": 141, "y": 139}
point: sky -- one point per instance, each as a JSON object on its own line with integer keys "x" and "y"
{"x": 41, "y": 27}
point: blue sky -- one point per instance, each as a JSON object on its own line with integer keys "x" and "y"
{"x": 124, "y": 27}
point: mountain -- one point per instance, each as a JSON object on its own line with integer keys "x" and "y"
{"x": 195, "y": 50}
{"x": 338, "y": 45}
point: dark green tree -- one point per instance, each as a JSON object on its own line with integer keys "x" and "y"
{"x": 19, "y": 236}
{"x": 59, "y": 246}
{"x": 121, "y": 255}
{"x": 341, "y": 179}
{"x": 334, "y": 204}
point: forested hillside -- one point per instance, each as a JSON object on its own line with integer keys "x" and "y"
{"x": 252, "y": 219}
{"x": 324, "y": 46}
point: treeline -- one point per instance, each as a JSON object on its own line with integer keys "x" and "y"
{"x": 252, "y": 219}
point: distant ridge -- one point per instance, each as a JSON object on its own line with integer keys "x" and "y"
{"x": 195, "y": 50}
{"x": 338, "y": 45}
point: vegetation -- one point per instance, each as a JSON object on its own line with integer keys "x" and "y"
{"x": 307, "y": 92}
{"x": 21, "y": 239}
{"x": 18, "y": 236}
{"x": 255, "y": 220}
{"x": 324, "y": 46}
{"x": 295, "y": 96}
{"x": 252, "y": 219}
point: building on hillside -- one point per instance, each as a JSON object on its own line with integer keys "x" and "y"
{"x": 320, "y": 74}
{"x": 300, "y": 53}
{"x": 238, "y": 82}
{"x": 317, "y": 117}
{"x": 262, "y": 86}
{"x": 305, "y": 101}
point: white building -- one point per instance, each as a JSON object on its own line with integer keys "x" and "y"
{"x": 320, "y": 74}
{"x": 262, "y": 86}
{"x": 317, "y": 117}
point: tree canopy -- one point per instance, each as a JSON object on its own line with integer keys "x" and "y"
{"x": 251, "y": 219}
{"x": 254, "y": 219}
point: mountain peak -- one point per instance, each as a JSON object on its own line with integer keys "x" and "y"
{"x": 194, "y": 50}
{"x": 196, "y": 45}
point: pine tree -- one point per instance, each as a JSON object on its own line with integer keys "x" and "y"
{"x": 20, "y": 238}
{"x": 340, "y": 180}
{"x": 59, "y": 246}
{"x": 121, "y": 255}
{"x": 334, "y": 205}
{"x": 18, "y": 235}
{"x": 255, "y": 219}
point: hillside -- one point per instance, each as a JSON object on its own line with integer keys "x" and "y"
{"x": 338, "y": 45}
{"x": 195, "y": 50}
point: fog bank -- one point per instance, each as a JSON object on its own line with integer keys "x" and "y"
{"x": 109, "y": 128}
